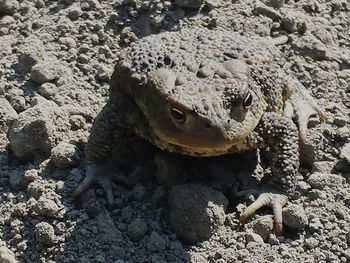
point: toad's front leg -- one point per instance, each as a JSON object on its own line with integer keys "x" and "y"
{"x": 280, "y": 135}
{"x": 108, "y": 128}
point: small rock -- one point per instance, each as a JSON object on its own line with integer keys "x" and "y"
{"x": 46, "y": 207}
{"x": 65, "y": 155}
{"x": 190, "y": 4}
{"x": 17, "y": 181}
{"x": 315, "y": 225}
{"x": 263, "y": 226}
{"x": 252, "y": 237}
{"x": 68, "y": 42}
{"x": 294, "y": 216}
{"x": 31, "y": 175}
{"x": 155, "y": 242}
{"x": 139, "y": 191}
{"x": 275, "y": 3}
{"x": 345, "y": 153}
{"x": 322, "y": 167}
{"x": 31, "y": 53}
{"x": 8, "y": 7}
{"x": 45, "y": 233}
{"x": 6, "y": 255}
{"x": 273, "y": 240}
{"x": 263, "y": 9}
{"x": 137, "y": 229}
{"x": 74, "y": 13}
{"x": 196, "y": 211}
{"x": 7, "y": 115}
{"x": 104, "y": 73}
{"x": 36, "y": 129}
{"x": 84, "y": 59}
{"x": 48, "y": 90}
{"x": 46, "y": 71}
{"x": 116, "y": 252}
{"x": 100, "y": 259}
{"x": 197, "y": 258}
{"x": 77, "y": 122}
{"x": 320, "y": 180}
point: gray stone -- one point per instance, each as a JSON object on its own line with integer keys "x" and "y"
{"x": 137, "y": 229}
{"x": 46, "y": 71}
{"x": 6, "y": 255}
{"x": 8, "y": 7}
{"x": 155, "y": 242}
{"x": 320, "y": 180}
{"x": 65, "y": 155}
{"x": 253, "y": 237}
{"x": 48, "y": 90}
{"x": 263, "y": 226}
{"x": 45, "y": 233}
{"x": 294, "y": 216}
{"x": 17, "y": 181}
{"x": 196, "y": 211}
{"x": 191, "y": 4}
{"x": 323, "y": 167}
{"x": 74, "y": 13}
{"x": 7, "y": 115}
{"x": 35, "y": 131}
{"x": 46, "y": 207}
{"x": 265, "y": 10}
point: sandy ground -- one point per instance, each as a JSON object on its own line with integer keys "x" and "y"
{"x": 56, "y": 58}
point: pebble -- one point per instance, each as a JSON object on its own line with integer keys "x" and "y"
{"x": 8, "y": 115}
{"x": 46, "y": 207}
{"x": 139, "y": 191}
{"x": 196, "y": 211}
{"x": 77, "y": 122}
{"x": 48, "y": 90}
{"x": 253, "y": 237}
{"x": 294, "y": 216}
{"x": 6, "y": 255}
{"x": 265, "y": 10}
{"x": 8, "y": 7}
{"x": 45, "y": 233}
{"x": 191, "y": 4}
{"x": 17, "y": 181}
{"x": 65, "y": 155}
{"x": 263, "y": 226}
{"x": 315, "y": 225}
{"x": 322, "y": 167}
{"x": 345, "y": 152}
{"x": 137, "y": 229}
{"x": 46, "y": 71}
{"x": 155, "y": 242}
{"x": 320, "y": 180}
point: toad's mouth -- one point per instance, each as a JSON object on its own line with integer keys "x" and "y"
{"x": 201, "y": 146}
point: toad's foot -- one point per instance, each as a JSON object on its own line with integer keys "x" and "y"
{"x": 275, "y": 201}
{"x": 99, "y": 175}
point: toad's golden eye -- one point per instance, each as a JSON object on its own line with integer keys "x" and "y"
{"x": 178, "y": 115}
{"x": 248, "y": 100}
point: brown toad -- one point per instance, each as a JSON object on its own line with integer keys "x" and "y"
{"x": 206, "y": 93}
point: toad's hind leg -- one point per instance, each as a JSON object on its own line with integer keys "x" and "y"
{"x": 281, "y": 136}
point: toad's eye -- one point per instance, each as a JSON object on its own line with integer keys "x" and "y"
{"x": 248, "y": 100}
{"x": 178, "y": 115}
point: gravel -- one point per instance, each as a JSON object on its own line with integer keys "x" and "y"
{"x": 56, "y": 59}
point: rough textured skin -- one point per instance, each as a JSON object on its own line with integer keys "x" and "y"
{"x": 206, "y": 93}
